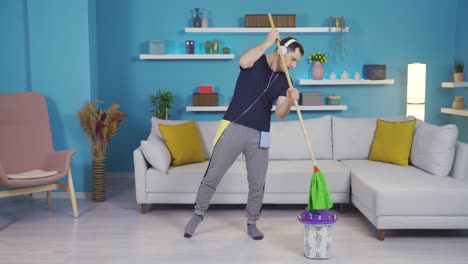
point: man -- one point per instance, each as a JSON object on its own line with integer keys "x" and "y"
{"x": 246, "y": 125}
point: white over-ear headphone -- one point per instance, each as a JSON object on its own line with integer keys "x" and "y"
{"x": 284, "y": 48}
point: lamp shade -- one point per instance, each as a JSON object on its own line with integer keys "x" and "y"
{"x": 416, "y": 90}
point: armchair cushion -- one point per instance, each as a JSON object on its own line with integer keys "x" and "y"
{"x": 33, "y": 174}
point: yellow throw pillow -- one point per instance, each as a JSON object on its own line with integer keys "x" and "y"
{"x": 392, "y": 142}
{"x": 184, "y": 143}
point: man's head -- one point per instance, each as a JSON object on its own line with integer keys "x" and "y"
{"x": 294, "y": 51}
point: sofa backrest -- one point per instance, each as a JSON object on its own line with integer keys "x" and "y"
{"x": 352, "y": 137}
{"x": 460, "y": 162}
{"x": 288, "y": 142}
{"x": 208, "y": 131}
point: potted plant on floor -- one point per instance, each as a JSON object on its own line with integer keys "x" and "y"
{"x": 458, "y": 75}
{"x": 99, "y": 126}
{"x": 161, "y": 103}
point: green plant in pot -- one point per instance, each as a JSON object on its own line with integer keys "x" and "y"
{"x": 339, "y": 24}
{"x": 161, "y": 103}
{"x": 458, "y": 75}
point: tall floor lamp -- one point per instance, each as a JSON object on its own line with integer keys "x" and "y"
{"x": 416, "y": 90}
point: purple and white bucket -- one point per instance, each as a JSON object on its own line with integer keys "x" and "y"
{"x": 317, "y": 233}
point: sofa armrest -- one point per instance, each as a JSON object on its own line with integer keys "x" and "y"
{"x": 141, "y": 166}
{"x": 460, "y": 162}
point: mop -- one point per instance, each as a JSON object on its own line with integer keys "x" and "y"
{"x": 319, "y": 196}
{"x": 316, "y": 218}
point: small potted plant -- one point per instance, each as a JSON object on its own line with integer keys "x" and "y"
{"x": 317, "y": 69}
{"x": 162, "y": 102}
{"x": 458, "y": 75}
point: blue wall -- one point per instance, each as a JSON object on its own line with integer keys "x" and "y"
{"x": 461, "y": 51}
{"x": 14, "y": 47}
{"x": 87, "y": 49}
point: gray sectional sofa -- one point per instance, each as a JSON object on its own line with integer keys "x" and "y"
{"x": 430, "y": 193}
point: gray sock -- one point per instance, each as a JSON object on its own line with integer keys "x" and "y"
{"x": 254, "y": 232}
{"x": 192, "y": 225}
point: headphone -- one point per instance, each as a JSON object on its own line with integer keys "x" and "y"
{"x": 284, "y": 48}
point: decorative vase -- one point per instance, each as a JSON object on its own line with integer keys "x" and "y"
{"x": 215, "y": 46}
{"x": 207, "y": 47}
{"x": 226, "y": 50}
{"x": 332, "y": 76}
{"x": 197, "y": 20}
{"x": 204, "y": 23}
{"x": 317, "y": 71}
{"x": 459, "y": 77}
{"x": 99, "y": 187}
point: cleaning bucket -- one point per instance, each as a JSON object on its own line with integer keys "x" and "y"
{"x": 317, "y": 233}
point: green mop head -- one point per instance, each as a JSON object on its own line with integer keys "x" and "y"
{"x": 319, "y": 196}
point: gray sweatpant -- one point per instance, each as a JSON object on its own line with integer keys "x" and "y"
{"x": 236, "y": 139}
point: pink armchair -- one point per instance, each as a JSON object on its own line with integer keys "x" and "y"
{"x": 26, "y": 145}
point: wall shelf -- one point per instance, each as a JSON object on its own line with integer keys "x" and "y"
{"x": 454, "y": 84}
{"x": 264, "y": 30}
{"x": 345, "y": 82}
{"x": 293, "y": 108}
{"x": 187, "y": 57}
{"x": 462, "y": 112}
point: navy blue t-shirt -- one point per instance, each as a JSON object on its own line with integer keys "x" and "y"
{"x": 250, "y": 85}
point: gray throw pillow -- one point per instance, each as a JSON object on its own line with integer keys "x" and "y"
{"x": 156, "y": 153}
{"x": 433, "y": 147}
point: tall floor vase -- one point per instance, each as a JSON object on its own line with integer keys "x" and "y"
{"x": 99, "y": 185}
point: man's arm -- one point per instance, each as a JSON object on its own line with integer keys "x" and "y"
{"x": 283, "y": 104}
{"x": 248, "y": 59}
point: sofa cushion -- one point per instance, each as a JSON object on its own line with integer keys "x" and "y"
{"x": 433, "y": 147}
{"x": 392, "y": 190}
{"x": 208, "y": 130}
{"x": 156, "y": 121}
{"x": 156, "y": 153}
{"x": 187, "y": 178}
{"x": 352, "y": 137}
{"x": 392, "y": 142}
{"x": 294, "y": 176}
{"x": 184, "y": 143}
{"x": 288, "y": 142}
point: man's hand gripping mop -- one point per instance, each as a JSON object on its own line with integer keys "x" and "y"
{"x": 316, "y": 214}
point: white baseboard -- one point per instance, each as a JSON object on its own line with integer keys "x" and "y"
{"x": 62, "y": 195}
{"x": 120, "y": 174}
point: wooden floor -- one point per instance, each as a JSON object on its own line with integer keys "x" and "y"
{"x": 115, "y": 232}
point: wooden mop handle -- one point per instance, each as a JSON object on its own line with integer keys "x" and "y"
{"x": 283, "y": 62}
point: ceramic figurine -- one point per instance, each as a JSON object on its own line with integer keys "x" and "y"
{"x": 357, "y": 76}
{"x": 344, "y": 75}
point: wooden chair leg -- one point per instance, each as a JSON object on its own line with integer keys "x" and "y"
{"x": 143, "y": 208}
{"x": 381, "y": 234}
{"x": 71, "y": 190}
{"x": 342, "y": 207}
{"x": 49, "y": 198}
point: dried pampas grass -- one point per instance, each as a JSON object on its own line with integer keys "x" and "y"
{"x": 99, "y": 126}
